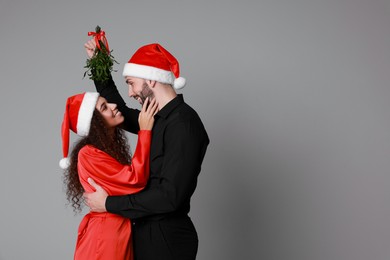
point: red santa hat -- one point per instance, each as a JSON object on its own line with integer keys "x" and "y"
{"x": 77, "y": 117}
{"x": 153, "y": 62}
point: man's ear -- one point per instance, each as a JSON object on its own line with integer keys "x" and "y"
{"x": 151, "y": 83}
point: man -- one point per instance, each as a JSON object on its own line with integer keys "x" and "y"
{"x": 159, "y": 213}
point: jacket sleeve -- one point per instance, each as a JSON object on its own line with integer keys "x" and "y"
{"x": 183, "y": 153}
{"x": 114, "y": 177}
{"x": 109, "y": 91}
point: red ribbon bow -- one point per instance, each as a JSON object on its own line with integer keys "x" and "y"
{"x": 100, "y": 36}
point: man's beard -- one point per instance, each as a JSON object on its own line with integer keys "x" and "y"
{"x": 146, "y": 92}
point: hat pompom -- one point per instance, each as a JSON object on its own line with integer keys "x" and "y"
{"x": 64, "y": 163}
{"x": 179, "y": 83}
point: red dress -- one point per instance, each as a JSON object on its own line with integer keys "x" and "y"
{"x": 106, "y": 235}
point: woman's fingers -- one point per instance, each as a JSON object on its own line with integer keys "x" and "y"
{"x": 145, "y": 105}
{"x": 154, "y": 108}
{"x": 152, "y": 102}
{"x": 149, "y": 107}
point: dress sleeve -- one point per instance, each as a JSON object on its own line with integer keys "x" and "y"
{"x": 109, "y": 91}
{"x": 114, "y": 177}
{"x": 140, "y": 163}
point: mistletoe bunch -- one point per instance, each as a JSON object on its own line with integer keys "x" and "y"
{"x": 100, "y": 66}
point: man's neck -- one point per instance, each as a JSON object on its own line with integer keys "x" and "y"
{"x": 164, "y": 96}
{"x": 165, "y": 100}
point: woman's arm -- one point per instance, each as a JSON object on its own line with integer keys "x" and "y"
{"x": 115, "y": 178}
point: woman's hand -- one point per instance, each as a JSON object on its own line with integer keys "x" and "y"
{"x": 146, "y": 116}
{"x": 90, "y": 47}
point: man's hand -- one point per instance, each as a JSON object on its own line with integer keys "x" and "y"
{"x": 96, "y": 201}
{"x": 90, "y": 47}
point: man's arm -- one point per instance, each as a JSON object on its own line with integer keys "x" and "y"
{"x": 183, "y": 155}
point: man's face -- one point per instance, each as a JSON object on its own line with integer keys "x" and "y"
{"x": 138, "y": 89}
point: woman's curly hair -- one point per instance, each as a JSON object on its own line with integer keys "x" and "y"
{"x": 99, "y": 136}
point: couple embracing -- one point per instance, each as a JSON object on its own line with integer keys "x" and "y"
{"x": 138, "y": 204}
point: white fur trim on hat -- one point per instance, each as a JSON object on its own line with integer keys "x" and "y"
{"x": 64, "y": 163}
{"x": 179, "y": 83}
{"x": 148, "y": 72}
{"x": 85, "y": 113}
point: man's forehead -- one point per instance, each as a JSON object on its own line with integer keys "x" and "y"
{"x": 131, "y": 78}
{"x": 128, "y": 79}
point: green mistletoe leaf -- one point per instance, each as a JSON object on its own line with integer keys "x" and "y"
{"x": 100, "y": 66}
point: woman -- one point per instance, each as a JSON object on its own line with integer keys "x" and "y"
{"x": 103, "y": 154}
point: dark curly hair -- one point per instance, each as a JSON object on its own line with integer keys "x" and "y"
{"x": 99, "y": 136}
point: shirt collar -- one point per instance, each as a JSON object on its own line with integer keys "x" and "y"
{"x": 170, "y": 106}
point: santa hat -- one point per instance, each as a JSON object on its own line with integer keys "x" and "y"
{"x": 77, "y": 117}
{"x": 153, "y": 62}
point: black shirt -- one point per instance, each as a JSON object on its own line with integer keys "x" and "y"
{"x": 179, "y": 143}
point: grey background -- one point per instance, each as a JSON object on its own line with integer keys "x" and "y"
{"x": 294, "y": 95}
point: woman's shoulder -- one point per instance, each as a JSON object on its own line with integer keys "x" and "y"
{"x": 92, "y": 156}
{"x": 96, "y": 160}
{"x": 87, "y": 149}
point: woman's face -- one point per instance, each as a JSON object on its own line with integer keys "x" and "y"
{"x": 110, "y": 113}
